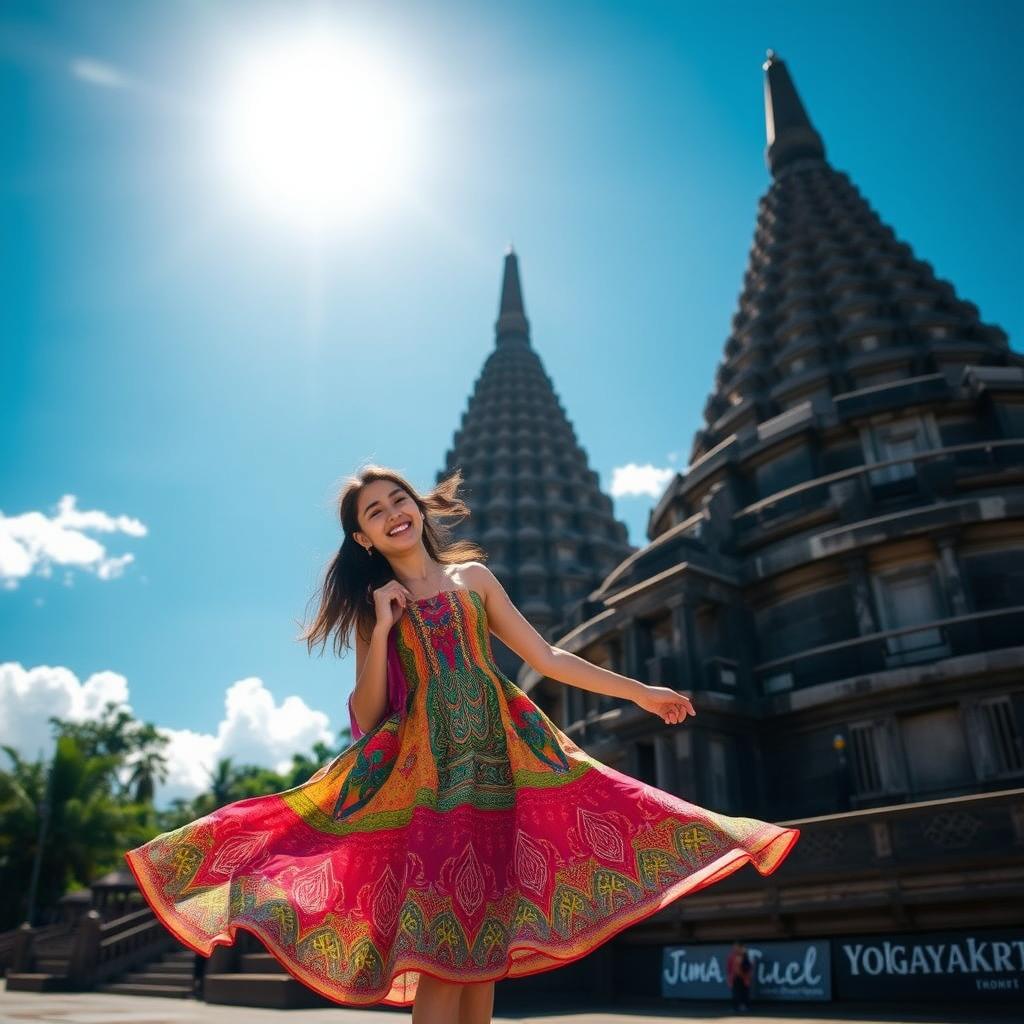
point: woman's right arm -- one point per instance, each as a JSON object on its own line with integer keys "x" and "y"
{"x": 369, "y": 699}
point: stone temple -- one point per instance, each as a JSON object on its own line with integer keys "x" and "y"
{"x": 537, "y": 509}
{"x": 837, "y": 577}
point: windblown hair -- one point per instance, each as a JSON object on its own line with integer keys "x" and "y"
{"x": 346, "y": 594}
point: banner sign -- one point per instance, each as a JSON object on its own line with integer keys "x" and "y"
{"x": 782, "y": 970}
{"x": 967, "y": 964}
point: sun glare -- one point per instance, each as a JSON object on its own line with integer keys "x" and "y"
{"x": 317, "y": 129}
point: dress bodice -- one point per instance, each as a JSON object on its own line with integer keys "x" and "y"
{"x": 433, "y": 634}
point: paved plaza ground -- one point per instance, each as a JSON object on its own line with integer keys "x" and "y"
{"x": 102, "y": 1008}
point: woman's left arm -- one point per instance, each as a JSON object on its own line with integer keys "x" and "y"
{"x": 509, "y": 625}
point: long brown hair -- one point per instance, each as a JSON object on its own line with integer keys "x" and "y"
{"x": 346, "y": 594}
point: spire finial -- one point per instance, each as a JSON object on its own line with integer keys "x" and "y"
{"x": 789, "y": 131}
{"x": 511, "y": 290}
{"x": 511, "y": 312}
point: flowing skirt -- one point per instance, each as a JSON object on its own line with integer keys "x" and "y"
{"x": 495, "y": 857}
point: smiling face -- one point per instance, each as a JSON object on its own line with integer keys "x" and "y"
{"x": 384, "y": 507}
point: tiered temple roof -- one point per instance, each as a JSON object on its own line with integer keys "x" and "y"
{"x": 537, "y": 506}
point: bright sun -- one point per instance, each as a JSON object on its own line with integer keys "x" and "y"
{"x": 316, "y": 129}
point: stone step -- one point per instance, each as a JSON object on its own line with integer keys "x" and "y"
{"x": 133, "y": 989}
{"x": 148, "y": 977}
{"x": 36, "y": 981}
{"x": 51, "y": 964}
{"x": 175, "y": 967}
{"x": 274, "y": 991}
{"x": 176, "y": 955}
{"x": 260, "y": 963}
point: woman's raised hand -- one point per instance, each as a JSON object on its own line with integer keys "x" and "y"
{"x": 668, "y": 704}
{"x": 389, "y": 602}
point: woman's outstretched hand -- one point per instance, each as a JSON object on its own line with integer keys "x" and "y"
{"x": 667, "y": 704}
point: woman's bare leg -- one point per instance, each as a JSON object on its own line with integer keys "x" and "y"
{"x": 476, "y": 1004}
{"x": 437, "y": 1001}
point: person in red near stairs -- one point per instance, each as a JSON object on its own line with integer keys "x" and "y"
{"x": 739, "y": 973}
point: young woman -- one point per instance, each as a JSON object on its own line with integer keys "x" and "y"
{"x": 462, "y": 837}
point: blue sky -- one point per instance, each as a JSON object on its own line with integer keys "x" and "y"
{"x": 177, "y": 356}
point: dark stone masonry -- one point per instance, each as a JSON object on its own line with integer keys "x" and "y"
{"x": 837, "y": 578}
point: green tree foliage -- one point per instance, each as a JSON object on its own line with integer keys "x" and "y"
{"x": 102, "y": 779}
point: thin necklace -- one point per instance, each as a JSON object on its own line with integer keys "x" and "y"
{"x": 406, "y": 585}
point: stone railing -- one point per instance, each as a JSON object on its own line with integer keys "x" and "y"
{"x": 932, "y": 474}
{"x": 92, "y": 950}
{"x": 895, "y": 865}
{"x": 974, "y": 633}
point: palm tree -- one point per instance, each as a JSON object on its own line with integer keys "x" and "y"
{"x": 88, "y": 829}
{"x": 149, "y": 764}
{"x": 222, "y": 783}
{"x": 103, "y": 776}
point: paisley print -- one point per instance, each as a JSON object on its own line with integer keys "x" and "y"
{"x": 465, "y": 835}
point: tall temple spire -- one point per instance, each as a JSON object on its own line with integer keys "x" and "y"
{"x": 512, "y": 322}
{"x": 833, "y": 301}
{"x": 549, "y": 530}
{"x": 791, "y": 136}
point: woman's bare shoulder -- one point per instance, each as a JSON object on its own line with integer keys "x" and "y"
{"x": 476, "y": 576}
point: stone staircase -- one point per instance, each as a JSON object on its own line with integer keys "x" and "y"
{"x": 245, "y": 974}
{"x": 170, "y": 976}
{"x": 52, "y": 949}
{"x": 134, "y": 954}
{"x": 84, "y": 953}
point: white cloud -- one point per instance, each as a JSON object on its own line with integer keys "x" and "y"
{"x": 34, "y": 542}
{"x": 254, "y": 729}
{"x": 632, "y": 480}
{"x": 190, "y": 760}
{"x": 29, "y": 696}
{"x": 97, "y": 72}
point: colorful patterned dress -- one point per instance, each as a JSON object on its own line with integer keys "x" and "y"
{"x": 465, "y": 836}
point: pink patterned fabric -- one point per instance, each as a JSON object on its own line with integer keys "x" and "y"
{"x": 465, "y": 837}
